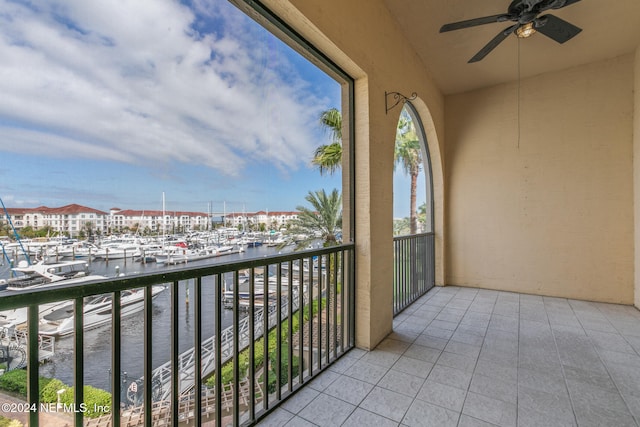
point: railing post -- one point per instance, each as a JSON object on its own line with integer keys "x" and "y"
{"x": 33, "y": 391}
{"x": 197, "y": 369}
{"x": 116, "y": 392}
{"x": 78, "y": 382}
{"x": 175, "y": 368}
{"x": 148, "y": 355}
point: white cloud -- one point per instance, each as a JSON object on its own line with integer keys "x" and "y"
{"x": 133, "y": 81}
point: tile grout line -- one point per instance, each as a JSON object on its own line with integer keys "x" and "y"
{"x": 477, "y": 357}
{"x": 564, "y": 376}
{"x": 377, "y": 382}
{"x": 606, "y": 368}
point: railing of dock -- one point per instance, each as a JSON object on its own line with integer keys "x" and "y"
{"x": 414, "y": 268}
{"x": 304, "y": 322}
{"x": 186, "y": 361}
{"x": 15, "y": 342}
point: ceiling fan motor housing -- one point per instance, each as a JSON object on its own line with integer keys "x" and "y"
{"x": 524, "y": 14}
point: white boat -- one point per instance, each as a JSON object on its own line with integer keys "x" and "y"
{"x": 227, "y": 248}
{"x": 40, "y": 275}
{"x": 58, "y": 320}
{"x": 210, "y": 252}
{"x": 74, "y": 251}
{"x": 44, "y": 273}
{"x": 173, "y": 255}
{"x": 119, "y": 251}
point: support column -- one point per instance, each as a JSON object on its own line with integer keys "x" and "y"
{"x": 374, "y": 144}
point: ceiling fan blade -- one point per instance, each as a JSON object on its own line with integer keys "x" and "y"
{"x": 493, "y": 43}
{"x": 474, "y": 22}
{"x": 556, "y": 28}
{"x": 570, "y": 2}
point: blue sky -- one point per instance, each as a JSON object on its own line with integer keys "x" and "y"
{"x": 113, "y": 103}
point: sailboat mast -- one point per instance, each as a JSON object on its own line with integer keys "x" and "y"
{"x": 15, "y": 233}
{"x": 164, "y": 220}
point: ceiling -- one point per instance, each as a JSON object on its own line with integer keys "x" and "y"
{"x": 610, "y": 28}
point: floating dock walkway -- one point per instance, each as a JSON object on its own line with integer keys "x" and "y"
{"x": 13, "y": 347}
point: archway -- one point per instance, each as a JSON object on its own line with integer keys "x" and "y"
{"x": 414, "y": 237}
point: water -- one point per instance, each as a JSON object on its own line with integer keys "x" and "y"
{"x": 97, "y": 342}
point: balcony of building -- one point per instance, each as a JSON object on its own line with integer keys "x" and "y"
{"x": 534, "y": 249}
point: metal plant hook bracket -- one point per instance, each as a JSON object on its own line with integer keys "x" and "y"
{"x": 397, "y": 99}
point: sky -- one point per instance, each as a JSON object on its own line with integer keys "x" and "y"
{"x": 112, "y": 104}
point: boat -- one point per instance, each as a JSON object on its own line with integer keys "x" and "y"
{"x": 41, "y": 275}
{"x": 254, "y": 243}
{"x": 147, "y": 252}
{"x": 222, "y": 249}
{"x": 45, "y": 273}
{"x": 173, "y": 255}
{"x": 117, "y": 251}
{"x": 79, "y": 250}
{"x": 58, "y": 320}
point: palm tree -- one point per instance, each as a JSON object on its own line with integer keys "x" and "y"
{"x": 422, "y": 215}
{"x": 328, "y": 157}
{"x": 408, "y": 154}
{"x": 323, "y": 218}
{"x": 401, "y": 226}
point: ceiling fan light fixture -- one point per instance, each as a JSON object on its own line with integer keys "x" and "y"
{"x": 526, "y": 30}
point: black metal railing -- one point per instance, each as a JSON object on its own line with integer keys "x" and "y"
{"x": 292, "y": 316}
{"x": 414, "y": 268}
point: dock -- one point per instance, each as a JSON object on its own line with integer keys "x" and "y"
{"x": 13, "y": 347}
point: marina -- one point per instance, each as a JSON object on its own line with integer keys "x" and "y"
{"x": 97, "y": 335}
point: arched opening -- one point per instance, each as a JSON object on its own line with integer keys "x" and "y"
{"x": 413, "y": 204}
{"x": 412, "y": 180}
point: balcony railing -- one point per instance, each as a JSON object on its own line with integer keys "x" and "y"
{"x": 302, "y": 303}
{"x": 414, "y": 268}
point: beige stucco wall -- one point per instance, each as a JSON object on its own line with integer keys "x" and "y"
{"x": 636, "y": 180}
{"x": 537, "y": 176}
{"x": 365, "y": 41}
{"x": 540, "y": 184}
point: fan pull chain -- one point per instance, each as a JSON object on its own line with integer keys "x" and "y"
{"x": 518, "y": 93}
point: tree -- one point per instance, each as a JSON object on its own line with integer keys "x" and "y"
{"x": 422, "y": 215}
{"x": 401, "y": 226}
{"x": 324, "y": 218}
{"x": 88, "y": 227}
{"x": 408, "y": 154}
{"x": 328, "y": 157}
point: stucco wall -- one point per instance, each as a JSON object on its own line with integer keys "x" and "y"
{"x": 540, "y": 184}
{"x": 537, "y": 176}
{"x": 636, "y": 162}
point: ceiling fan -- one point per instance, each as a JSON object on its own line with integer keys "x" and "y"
{"x": 525, "y": 15}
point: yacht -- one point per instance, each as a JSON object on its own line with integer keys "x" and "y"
{"x": 45, "y": 273}
{"x": 40, "y": 275}
{"x": 58, "y": 320}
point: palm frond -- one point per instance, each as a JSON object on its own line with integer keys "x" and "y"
{"x": 331, "y": 121}
{"x": 324, "y": 217}
{"x": 328, "y": 158}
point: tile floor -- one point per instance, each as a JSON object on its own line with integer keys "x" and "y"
{"x": 469, "y": 357}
